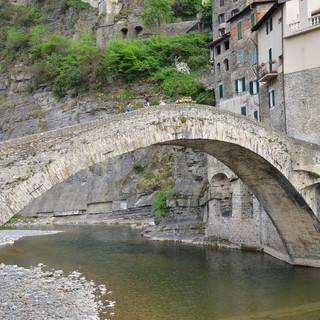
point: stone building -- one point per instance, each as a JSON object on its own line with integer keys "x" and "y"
{"x": 265, "y": 66}
{"x": 288, "y": 38}
{"x": 233, "y": 213}
{"x": 123, "y": 19}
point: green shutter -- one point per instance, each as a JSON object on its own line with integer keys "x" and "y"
{"x": 257, "y": 86}
{"x": 220, "y": 91}
{"x": 237, "y": 88}
{"x": 270, "y": 25}
{"x": 239, "y": 26}
{"x": 252, "y": 19}
{"x": 251, "y": 87}
{"x": 243, "y": 84}
{"x": 270, "y": 59}
{"x": 273, "y": 100}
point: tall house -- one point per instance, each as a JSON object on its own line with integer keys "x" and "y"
{"x": 270, "y": 68}
{"x": 233, "y": 57}
{"x": 302, "y": 68}
{"x": 289, "y": 67}
{"x": 222, "y": 11}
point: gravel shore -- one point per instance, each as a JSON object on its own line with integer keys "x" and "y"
{"x": 40, "y": 293}
{"x": 10, "y": 236}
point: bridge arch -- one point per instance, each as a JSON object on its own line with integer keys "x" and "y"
{"x": 264, "y": 159}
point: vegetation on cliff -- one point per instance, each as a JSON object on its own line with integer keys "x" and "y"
{"x": 78, "y": 65}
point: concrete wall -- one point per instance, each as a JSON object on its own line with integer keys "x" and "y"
{"x": 302, "y": 104}
{"x": 301, "y": 51}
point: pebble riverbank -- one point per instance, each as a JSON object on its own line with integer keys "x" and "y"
{"x": 41, "y": 293}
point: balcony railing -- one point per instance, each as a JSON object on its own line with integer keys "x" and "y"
{"x": 295, "y": 25}
{"x": 314, "y": 20}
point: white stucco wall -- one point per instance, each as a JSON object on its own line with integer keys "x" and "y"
{"x": 272, "y": 40}
{"x": 302, "y": 51}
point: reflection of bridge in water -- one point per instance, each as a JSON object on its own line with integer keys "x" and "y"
{"x": 275, "y": 167}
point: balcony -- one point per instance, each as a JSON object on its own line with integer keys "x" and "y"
{"x": 268, "y": 71}
{"x": 268, "y": 76}
{"x": 295, "y": 25}
{"x": 314, "y": 20}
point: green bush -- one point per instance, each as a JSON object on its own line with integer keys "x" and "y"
{"x": 130, "y": 59}
{"x": 17, "y": 38}
{"x": 79, "y": 5}
{"x": 160, "y": 201}
{"x": 186, "y": 9}
{"x": 138, "y": 168}
{"x": 180, "y": 85}
{"x": 206, "y": 15}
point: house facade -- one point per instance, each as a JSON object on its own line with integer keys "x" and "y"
{"x": 288, "y": 42}
{"x": 234, "y": 56}
{"x": 301, "y": 45}
{"x": 269, "y": 31}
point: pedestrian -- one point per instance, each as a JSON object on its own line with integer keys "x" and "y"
{"x": 162, "y": 103}
{"x": 148, "y": 101}
{"x": 128, "y": 107}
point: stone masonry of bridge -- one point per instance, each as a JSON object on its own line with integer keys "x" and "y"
{"x": 275, "y": 167}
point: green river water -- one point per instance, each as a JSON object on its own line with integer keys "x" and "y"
{"x": 168, "y": 281}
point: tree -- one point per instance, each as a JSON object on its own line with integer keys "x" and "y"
{"x": 186, "y": 8}
{"x": 157, "y": 11}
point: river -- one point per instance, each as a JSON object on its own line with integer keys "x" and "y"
{"x": 165, "y": 281}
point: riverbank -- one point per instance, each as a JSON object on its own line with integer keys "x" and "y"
{"x": 10, "y": 236}
{"x": 43, "y": 293}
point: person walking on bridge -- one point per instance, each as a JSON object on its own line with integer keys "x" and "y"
{"x": 128, "y": 107}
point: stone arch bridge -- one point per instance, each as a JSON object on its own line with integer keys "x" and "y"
{"x": 282, "y": 172}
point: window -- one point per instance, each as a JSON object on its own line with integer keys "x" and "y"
{"x": 255, "y": 114}
{"x": 221, "y": 3}
{"x": 244, "y": 110}
{"x": 254, "y": 87}
{"x": 138, "y": 30}
{"x": 235, "y": 0}
{"x": 124, "y": 32}
{"x": 253, "y": 20}
{"x": 226, "y": 64}
{"x": 240, "y": 85}
{"x": 234, "y": 12}
{"x": 218, "y": 49}
{"x": 269, "y": 26}
{"x": 240, "y": 56}
{"x": 271, "y": 99}
{"x": 220, "y": 90}
{"x": 218, "y": 68}
{"x": 270, "y": 59}
{"x": 254, "y": 56}
{"x": 239, "y": 29}
{"x": 222, "y": 31}
{"x": 226, "y": 45}
{"x": 221, "y": 18}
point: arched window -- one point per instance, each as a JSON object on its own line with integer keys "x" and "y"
{"x": 124, "y": 32}
{"x": 218, "y": 68}
{"x": 138, "y": 30}
{"x": 221, "y": 191}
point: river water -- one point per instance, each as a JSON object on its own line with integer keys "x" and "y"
{"x": 168, "y": 281}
